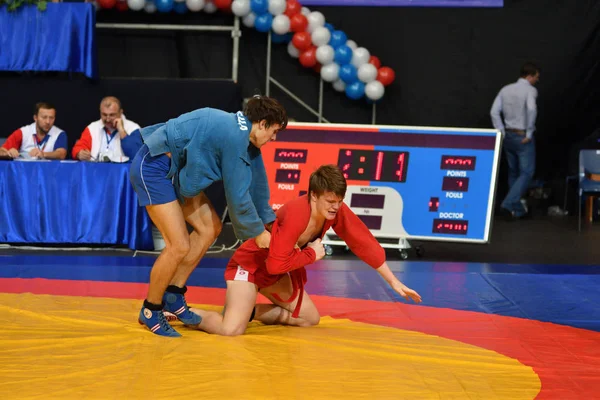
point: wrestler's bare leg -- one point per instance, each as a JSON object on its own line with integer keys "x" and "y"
{"x": 240, "y": 299}
{"x": 239, "y": 303}
{"x": 280, "y": 312}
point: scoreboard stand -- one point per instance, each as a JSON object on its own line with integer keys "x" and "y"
{"x": 402, "y": 245}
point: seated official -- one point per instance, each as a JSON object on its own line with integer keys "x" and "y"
{"x": 40, "y": 140}
{"x": 111, "y": 138}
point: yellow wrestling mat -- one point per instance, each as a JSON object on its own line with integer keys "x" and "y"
{"x": 64, "y": 347}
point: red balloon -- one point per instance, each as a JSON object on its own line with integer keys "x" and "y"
{"x": 222, "y": 4}
{"x": 375, "y": 61}
{"x": 122, "y": 6}
{"x": 302, "y": 41}
{"x": 317, "y": 68}
{"x": 292, "y": 8}
{"x": 107, "y": 3}
{"x": 386, "y": 75}
{"x": 308, "y": 58}
{"x": 298, "y": 23}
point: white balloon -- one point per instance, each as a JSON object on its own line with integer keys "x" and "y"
{"x": 136, "y": 5}
{"x": 315, "y": 20}
{"x": 305, "y": 11}
{"x": 293, "y": 51}
{"x": 330, "y": 72}
{"x": 339, "y": 85}
{"x": 277, "y": 7}
{"x": 325, "y": 54}
{"x": 360, "y": 56}
{"x": 374, "y": 90}
{"x": 150, "y": 7}
{"x": 249, "y": 19}
{"x": 367, "y": 72}
{"x": 210, "y": 7}
{"x": 241, "y": 8}
{"x": 281, "y": 24}
{"x": 194, "y": 5}
{"x": 352, "y": 44}
{"x": 320, "y": 36}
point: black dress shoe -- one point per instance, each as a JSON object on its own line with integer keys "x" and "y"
{"x": 507, "y": 214}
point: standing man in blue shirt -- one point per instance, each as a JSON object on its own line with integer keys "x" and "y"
{"x": 516, "y": 102}
{"x": 181, "y": 158}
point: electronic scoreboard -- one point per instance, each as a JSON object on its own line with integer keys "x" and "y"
{"x": 403, "y": 182}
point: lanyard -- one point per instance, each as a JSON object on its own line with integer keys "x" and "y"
{"x": 41, "y": 145}
{"x": 109, "y": 137}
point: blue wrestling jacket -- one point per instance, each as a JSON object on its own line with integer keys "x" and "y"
{"x": 209, "y": 145}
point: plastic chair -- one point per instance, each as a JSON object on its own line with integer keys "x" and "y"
{"x": 589, "y": 163}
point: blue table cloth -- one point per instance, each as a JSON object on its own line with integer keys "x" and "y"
{"x": 78, "y": 203}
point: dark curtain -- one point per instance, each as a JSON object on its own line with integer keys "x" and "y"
{"x": 449, "y": 62}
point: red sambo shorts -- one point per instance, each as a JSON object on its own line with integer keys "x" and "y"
{"x": 260, "y": 277}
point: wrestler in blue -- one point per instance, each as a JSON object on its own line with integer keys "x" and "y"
{"x": 177, "y": 162}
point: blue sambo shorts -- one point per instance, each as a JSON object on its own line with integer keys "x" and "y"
{"x": 148, "y": 176}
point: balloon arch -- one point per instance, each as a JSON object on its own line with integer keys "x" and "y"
{"x": 315, "y": 43}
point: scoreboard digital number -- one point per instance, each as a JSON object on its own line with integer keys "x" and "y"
{"x": 378, "y": 166}
{"x": 403, "y": 182}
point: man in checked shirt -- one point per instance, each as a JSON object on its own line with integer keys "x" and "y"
{"x": 516, "y": 102}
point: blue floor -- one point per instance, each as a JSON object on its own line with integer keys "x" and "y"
{"x": 563, "y": 294}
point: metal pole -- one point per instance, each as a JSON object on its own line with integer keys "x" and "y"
{"x": 320, "y": 100}
{"x": 165, "y": 27}
{"x": 267, "y": 91}
{"x": 236, "y": 33}
{"x": 297, "y": 99}
{"x": 373, "y": 113}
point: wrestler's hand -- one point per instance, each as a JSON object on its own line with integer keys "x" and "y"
{"x": 263, "y": 240}
{"x": 319, "y": 249}
{"x": 406, "y": 292}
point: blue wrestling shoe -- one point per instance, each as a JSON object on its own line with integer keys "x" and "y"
{"x": 175, "y": 304}
{"x": 156, "y": 322}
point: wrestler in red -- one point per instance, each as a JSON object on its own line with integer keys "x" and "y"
{"x": 278, "y": 272}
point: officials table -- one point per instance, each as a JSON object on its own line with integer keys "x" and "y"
{"x": 71, "y": 202}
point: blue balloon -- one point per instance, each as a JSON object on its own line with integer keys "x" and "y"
{"x": 330, "y": 27}
{"x": 355, "y": 90}
{"x": 338, "y": 38}
{"x": 259, "y": 6}
{"x": 180, "y": 7}
{"x": 285, "y": 38}
{"x": 164, "y": 5}
{"x": 263, "y": 22}
{"x": 343, "y": 55}
{"x": 348, "y": 73}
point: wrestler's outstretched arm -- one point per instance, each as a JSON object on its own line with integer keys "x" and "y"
{"x": 398, "y": 286}
{"x": 362, "y": 243}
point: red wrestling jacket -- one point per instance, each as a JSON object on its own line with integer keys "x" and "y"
{"x": 282, "y": 256}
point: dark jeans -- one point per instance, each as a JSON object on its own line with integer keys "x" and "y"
{"x": 521, "y": 167}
